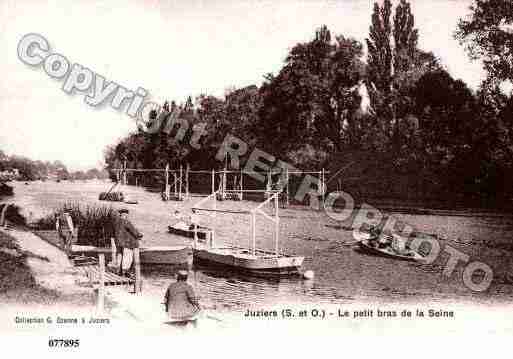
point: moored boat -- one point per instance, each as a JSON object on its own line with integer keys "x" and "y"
{"x": 259, "y": 261}
{"x": 170, "y": 255}
{"x": 166, "y": 255}
{"x": 250, "y": 259}
{"x": 183, "y": 229}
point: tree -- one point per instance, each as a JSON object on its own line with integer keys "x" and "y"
{"x": 464, "y": 137}
{"x": 314, "y": 98}
{"x": 447, "y": 111}
{"x": 487, "y": 34}
{"x": 394, "y": 65}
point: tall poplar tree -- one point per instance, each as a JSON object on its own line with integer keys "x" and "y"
{"x": 392, "y": 52}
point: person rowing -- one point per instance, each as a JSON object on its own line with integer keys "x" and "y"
{"x": 180, "y": 301}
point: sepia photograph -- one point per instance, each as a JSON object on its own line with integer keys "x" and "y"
{"x": 337, "y": 172}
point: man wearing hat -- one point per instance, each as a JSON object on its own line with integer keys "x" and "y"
{"x": 180, "y": 301}
{"x": 65, "y": 228}
{"x": 127, "y": 238}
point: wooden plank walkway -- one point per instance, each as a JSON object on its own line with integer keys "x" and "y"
{"x": 87, "y": 265}
{"x": 92, "y": 272}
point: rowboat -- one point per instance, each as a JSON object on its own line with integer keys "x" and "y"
{"x": 370, "y": 246}
{"x": 183, "y": 229}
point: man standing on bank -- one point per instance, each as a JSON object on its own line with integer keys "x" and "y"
{"x": 66, "y": 230}
{"x": 181, "y": 303}
{"x": 127, "y": 238}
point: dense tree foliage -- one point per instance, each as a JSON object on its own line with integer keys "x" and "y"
{"x": 488, "y": 35}
{"x": 418, "y": 122}
{"x": 315, "y": 96}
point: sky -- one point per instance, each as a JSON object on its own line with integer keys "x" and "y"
{"x": 172, "y": 49}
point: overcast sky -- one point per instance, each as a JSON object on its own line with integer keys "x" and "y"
{"x": 173, "y": 49}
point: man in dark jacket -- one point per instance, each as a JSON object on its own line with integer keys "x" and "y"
{"x": 127, "y": 238}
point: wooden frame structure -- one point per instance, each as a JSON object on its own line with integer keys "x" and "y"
{"x": 257, "y": 210}
{"x": 181, "y": 190}
{"x": 250, "y": 258}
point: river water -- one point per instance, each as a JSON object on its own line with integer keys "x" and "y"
{"x": 342, "y": 274}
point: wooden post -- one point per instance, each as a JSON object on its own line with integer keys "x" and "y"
{"x": 187, "y": 169}
{"x": 101, "y": 285}
{"x": 213, "y": 182}
{"x": 124, "y": 173}
{"x": 223, "y": 187}
{"x": 167, "y": 190}
{"x": 323, "y": 187}
{"x": 3, "y": 214}
{"x": 241, "y": 185}
{"x": 113, "y": 252}
{"x": 195, "y": 243}
{"x": 175, "y": 189}
{"x": 137, "y": 265}
{"x": 276, "y": 225}
{"x": 287, "y": 184}
{"x": 180, "y": 184}
{"x": 253, "y": 231}
{"x": 268, "y": 185}
{"x": 215, "y": 204}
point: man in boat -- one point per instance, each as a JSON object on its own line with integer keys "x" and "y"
{"x": 127, "y": 238}
{"x": 183, "y": 221}
{"x": 181, "y": 303}
{"x": 67, "y": 231}
{"x": 374, "y": 236}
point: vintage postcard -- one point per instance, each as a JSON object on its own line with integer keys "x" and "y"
{"x": 272, "y": 173}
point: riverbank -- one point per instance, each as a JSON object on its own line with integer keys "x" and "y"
{"x": 38, "y": 281}
{"x": 35, "y": 273}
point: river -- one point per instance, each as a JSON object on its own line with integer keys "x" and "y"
{"x": 342, "y": 275}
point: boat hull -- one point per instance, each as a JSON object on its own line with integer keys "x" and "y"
{"x": 166, "y": 255}
{"x": 170, "y": 255}
{"x": 202, "y": 233}
{"x": 241, "y": 259}
{"x": 389, "y": 253}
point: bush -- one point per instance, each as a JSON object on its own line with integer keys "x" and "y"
{"x": 13, "y": 215}
{"x": 95, "y": 224}
{"x": 5, "y": 190}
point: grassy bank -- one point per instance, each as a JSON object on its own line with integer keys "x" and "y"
{"x": 17, "y": 283}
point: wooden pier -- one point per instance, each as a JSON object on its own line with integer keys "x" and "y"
{"x": 92, "y": 272}
{"x": 93, "y": 267}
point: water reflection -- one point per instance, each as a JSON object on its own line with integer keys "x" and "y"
{"x": 228, "y": 288}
